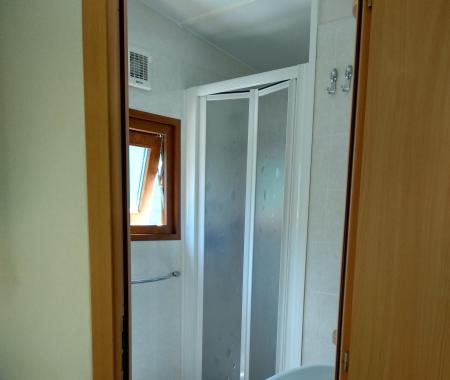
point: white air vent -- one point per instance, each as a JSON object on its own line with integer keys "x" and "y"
{"x": 139, "y": 68}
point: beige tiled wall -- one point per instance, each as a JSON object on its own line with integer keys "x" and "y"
{"x": 335, "y": 49}
{"x": 156, "y": 311}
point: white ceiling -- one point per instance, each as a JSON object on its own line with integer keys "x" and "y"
{"x": 265, "y": 34}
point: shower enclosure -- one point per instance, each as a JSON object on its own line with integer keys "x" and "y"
{"x": 247, "y": 193}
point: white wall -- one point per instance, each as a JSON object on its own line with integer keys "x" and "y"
{"x": 44, "y": 268}
{"x": 335, "y": 48}
{"x": 180, "y": 61}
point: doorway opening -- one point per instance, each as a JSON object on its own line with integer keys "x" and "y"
{"x": 250, "y": 288}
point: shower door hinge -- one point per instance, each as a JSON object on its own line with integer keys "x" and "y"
{"x": 345, "y": 359}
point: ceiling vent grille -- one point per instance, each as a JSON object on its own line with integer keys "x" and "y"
{"x": 139, "y": 65}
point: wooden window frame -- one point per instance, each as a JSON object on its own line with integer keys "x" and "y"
{"x": 144, "y": 122}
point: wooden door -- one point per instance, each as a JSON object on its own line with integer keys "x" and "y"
{"x": 396, "y": 321}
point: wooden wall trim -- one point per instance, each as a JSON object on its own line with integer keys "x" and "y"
{"x": 105, "y": 101}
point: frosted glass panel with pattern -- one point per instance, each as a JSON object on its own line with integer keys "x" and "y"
{"x": 269, "y": 201}
{"x": 225, "y": 182}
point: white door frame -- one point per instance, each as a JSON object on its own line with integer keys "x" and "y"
{"x": 293, "y": 256}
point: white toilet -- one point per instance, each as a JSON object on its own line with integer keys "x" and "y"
{"x": 313, "y": 372}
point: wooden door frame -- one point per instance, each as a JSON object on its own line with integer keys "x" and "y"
{"x": 353, "y": 187}
{"x": 106, "y": 118}
{"x": 369, "y": 29}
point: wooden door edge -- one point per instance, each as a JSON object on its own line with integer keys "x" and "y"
{"x": 105, "y": 103}
{"x": 353, "y": 193}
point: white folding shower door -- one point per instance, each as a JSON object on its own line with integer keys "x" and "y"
{"x": 246, "y": 206}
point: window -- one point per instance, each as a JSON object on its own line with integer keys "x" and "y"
{"x": 154, "y": 176}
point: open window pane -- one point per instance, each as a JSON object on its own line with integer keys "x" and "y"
{"x": 138, "y": 157}
{"x": 147, "y": 203}
{"x": 149, "y": 209}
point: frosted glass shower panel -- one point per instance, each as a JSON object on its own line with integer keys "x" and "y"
{"x": 225, "y": 189}
{"x": 269, "y": 202}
